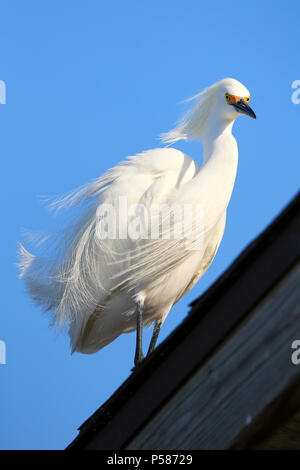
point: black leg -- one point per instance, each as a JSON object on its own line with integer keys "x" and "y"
{"x": 155, "y": 334}
{"x": 139, "y": 334}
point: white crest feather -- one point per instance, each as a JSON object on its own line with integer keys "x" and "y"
{"x": 191, "y": 124}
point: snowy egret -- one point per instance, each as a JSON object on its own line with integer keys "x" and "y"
{"x": 110, "y": 271}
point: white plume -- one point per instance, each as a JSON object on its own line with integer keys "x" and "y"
{"x": 190, "y": 126}
{"x": 76, "y": 271}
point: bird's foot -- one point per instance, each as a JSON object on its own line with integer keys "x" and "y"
{"x": 137, "y": 362}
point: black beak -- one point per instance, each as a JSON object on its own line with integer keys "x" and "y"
{"x": 242, "y": 107}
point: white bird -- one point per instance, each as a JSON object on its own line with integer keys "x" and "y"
{"x": 110, "y": 271}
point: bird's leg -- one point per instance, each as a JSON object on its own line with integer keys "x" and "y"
{"x": 155, "y": 334}
{"x": 139, "y": 333}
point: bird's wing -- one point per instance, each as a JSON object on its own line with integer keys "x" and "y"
{"x": 77, "y": 269}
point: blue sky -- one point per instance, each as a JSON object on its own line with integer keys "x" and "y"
{"x": 87, "y": 84}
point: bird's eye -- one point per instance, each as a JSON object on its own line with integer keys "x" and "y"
{"x": 227, "y": 97}
{"x": 247, "y": 99}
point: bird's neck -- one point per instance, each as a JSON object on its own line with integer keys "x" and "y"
{"x": 220, "y": 160}
{"x": 217, "y": 137}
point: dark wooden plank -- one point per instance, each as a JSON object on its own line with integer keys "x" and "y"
{"x": 277, "y": 427}
{"x": 287, "y": 437}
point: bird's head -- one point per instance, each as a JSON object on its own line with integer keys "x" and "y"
{"x": 224, "y": 101}
{"x": 232, "y": 99}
